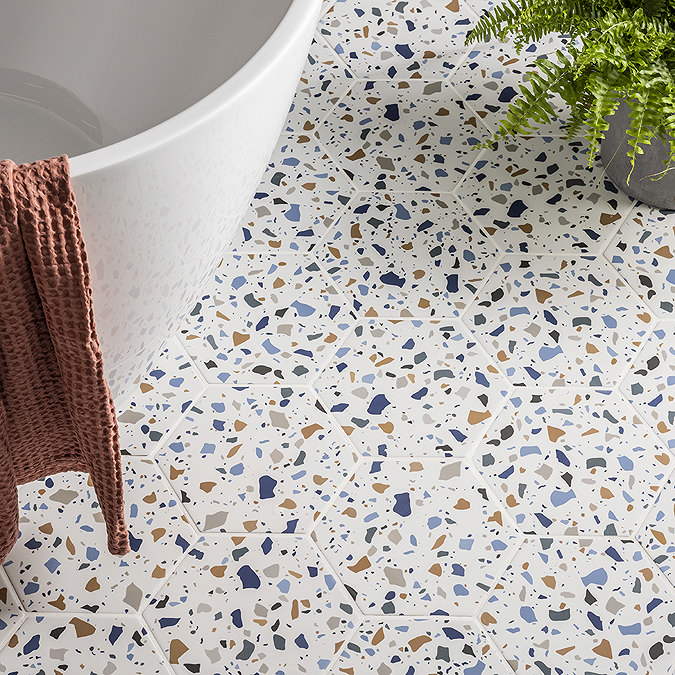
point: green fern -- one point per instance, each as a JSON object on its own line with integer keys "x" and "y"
{"x": 619, "y": 49}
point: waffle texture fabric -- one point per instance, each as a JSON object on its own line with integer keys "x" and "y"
{"x": 56, "y": 411}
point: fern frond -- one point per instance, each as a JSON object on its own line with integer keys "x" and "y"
{"x": 653, "y": 7}
{"x": 534, "y": 104}
{"x": 626, "y": 51}
{"x": 639, "y": 132}
{"x": 605, "y": 102}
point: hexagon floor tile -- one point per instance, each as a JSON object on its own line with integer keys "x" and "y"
{"x": 416, "y": 537}
{"x": 257, "y": 459}
{"x": 60, "y": 563}
{"x": 302, "y": 193}
{"x": 11, "y": 611}
{"x": 489, "y": 79}
{"x": 650, "y": 383}
{"x": 555, "y": 321}
{"x": 85, "y": 644}
{"x": 591, "y": 606}
{"x": 657, "y": 533}
{"x": 412, "y": 387}
{"x": 643, "y": 252}
{"x": 323, "y": 81}
{"x": 158, "y": 401}
{"x": 271, "y": 605}
{"x": 537, "y": 195}
{"x": 265, "y": 319}
{"x": 403, "y": 135}
{"x": 573, "y": 462}
{"x": 408, "y": 255}
{"x": 429, "y": 645}
{"x": 398, "y": 40}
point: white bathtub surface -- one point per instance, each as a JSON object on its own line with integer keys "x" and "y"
{"x": 77, "y": 75}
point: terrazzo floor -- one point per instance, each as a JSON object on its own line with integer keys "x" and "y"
{"x": 420, "y": 421}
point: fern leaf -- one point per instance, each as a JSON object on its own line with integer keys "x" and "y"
{"x": 639, "y": 132}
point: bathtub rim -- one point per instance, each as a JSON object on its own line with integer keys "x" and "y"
{"x": 292, "y": 25}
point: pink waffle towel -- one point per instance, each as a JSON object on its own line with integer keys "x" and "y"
{"x": 56, "y": 411}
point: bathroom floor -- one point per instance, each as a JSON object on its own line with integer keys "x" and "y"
{"x": 421, "y": 420}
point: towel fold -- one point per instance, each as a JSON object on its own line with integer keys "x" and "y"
{"x": 56, "y": 411}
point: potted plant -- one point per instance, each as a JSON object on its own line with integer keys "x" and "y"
{"x": 618, "y": 77}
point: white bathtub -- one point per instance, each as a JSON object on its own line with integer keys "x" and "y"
{"x": 169, "y": 111}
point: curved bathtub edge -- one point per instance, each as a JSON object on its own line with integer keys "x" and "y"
{"x": 296, "y": 21}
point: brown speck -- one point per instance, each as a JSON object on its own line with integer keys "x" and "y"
{"x": 206, "y": 486}
{"x": 359, "y": 154}
{"x": 295, "y": 610}
{"x": 176, "y": 650}
{"x": 378, "y": 637}
{"x": 417, "y": 642}
{"x": 47, "y": 528}
{"x": 549, "y": 581}
{"x": 158, "y": 572}
{"x": 145, "y": 387}
{"x": 158, "y": 533}
{"x": 70, "y": 546}
{"x": 387, "y": 427}
{"x": 436, "y": 569}
{"x": 82, "y": 628}
{"x": 511, "y": 501}
{"x": 438, "y": 542}
{"x": 487, "y": 619}
{"x": 647, "y": 573}
{"x": 234, "y": 450}
{"x": 591, "y": 349}
{"x": 554, "y": 433}
{"x": 288, "y": 504}
{"x": 608, "y": 218}
{"x": 151, "y": 498}
{"x": 58, "y": 603}
{"x": 174, "y": 472}
{"x": 462, "y": 505}
{"x": 362, "y": 564}
{"x": 496, "y": 517}
{"x": 92, "y": 585}
{"x": 604, "y": 649}
{"x": 664, "y": 252}
{"x": 311, "y": 429}
{"x": 542, "y": 295}
{"x": 218, "y": 571}
{"x": 380, "y": 487}
{"x": 238, "y": 338}
{"x": 476, "y": 417}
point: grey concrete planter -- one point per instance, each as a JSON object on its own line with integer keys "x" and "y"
{"x": 660, "y": 193}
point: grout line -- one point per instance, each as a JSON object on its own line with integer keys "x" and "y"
{"x": 161, "y": 653}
